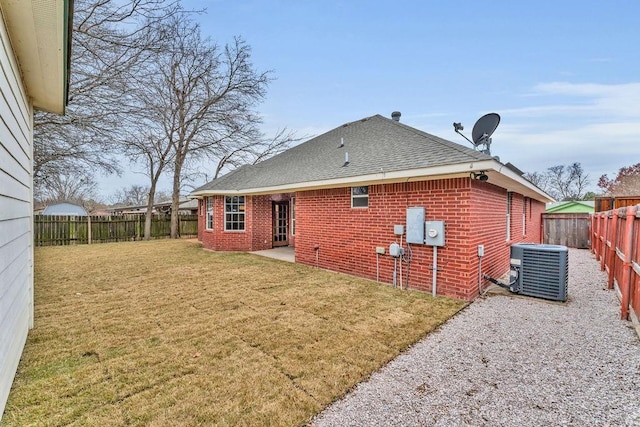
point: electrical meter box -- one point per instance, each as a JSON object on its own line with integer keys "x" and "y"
{"x": 395, "y": 250}
{"x": 415, "y": 225}
{"x": 434, "y": 233}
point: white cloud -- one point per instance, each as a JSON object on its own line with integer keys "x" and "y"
{"x": 597, "y": 125}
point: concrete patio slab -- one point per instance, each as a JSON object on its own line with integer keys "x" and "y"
{"x": 285, "y": 253}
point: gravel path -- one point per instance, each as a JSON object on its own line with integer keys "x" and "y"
{"x": 512, "y": 361}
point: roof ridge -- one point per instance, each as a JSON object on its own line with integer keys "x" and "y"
{"x": 438, "y": 140}
{"x": 364, "y": 119}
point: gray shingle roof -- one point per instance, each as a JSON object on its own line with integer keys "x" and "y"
{"x": 375, "y": 144}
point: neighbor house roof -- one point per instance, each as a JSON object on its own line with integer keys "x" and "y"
{"x": 185, "y": 204}
{"x": 368, "y": 151}
{"x": 40, "y": 33}
{"x": 573, "y": 206}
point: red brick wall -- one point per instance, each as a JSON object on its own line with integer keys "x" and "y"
{"x": 256, "y": 235}
{"x": 261, "y": 223}
{"x": 258, "y": 225}
{"x": 348, "y": 236}
{"x": 489, "y": 210}
{"x": 474, "y": 213}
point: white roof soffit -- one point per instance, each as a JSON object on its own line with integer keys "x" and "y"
{"x": 38, "y": 30}
{"x": 498, "y": 173}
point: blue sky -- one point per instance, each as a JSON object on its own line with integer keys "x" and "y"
{"x": 563, "y": 75}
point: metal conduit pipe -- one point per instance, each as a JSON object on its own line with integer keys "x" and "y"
{"x": 435, "y": 270}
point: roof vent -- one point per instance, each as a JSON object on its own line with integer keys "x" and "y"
{"x": 395, "y": 116}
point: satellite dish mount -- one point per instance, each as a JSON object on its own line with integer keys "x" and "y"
{"x": 482, "y": 131}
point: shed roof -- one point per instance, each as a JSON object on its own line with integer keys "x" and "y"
{"x": 64, "y": 208}
{"x": 371, "y": 150}
{"x": 572, "y": 206}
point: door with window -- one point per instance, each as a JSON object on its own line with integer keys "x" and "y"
{"x": 280, "y": 224}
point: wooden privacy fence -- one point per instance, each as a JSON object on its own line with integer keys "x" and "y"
{"x": 567, "y": 229}
{"x": 53, "y": 230}
{"x": 615, "y": 243}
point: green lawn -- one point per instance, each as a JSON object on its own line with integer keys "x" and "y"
{"x": 165, "y": 333}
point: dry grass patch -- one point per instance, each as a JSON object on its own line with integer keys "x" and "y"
{"x": 164, "y": 333}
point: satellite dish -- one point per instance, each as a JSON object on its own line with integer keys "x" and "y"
{"x": 484, "y": 128}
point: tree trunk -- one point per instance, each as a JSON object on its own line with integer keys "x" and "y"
{"x": 175, "y": 201}
{"x": 149, "y": 214}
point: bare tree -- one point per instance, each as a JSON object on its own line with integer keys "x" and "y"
{"x": 539, "y": 179}
{"x": 242, "y": 152}
{"x": 202, "y": 97}
{"x": 111, "y": 42}
{"x": 155, "y": 153}
{"x": 562, "y": 182}
{"x": 68, "y": 188}
{"x": 132, "y": 195}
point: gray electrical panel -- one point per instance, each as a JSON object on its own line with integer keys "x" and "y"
{"x": 415, "y": 225}
{"x": 434, "y": 235}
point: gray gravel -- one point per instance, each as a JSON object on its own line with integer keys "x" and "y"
{"x": 512, "y": 361}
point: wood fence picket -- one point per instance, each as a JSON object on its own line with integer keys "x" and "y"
{"x": 54, "y": 230}
{"x": 616, "y": 244}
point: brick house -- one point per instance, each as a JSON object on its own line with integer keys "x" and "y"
{"x": 337, "y": 197}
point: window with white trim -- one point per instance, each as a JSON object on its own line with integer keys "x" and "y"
{"x": 293, "y": 216}
{"x": 509, "y": 197}
{"x": 234, "y": 209}
{"x": 360, "y": 197}
{"x": 209, "y": 213}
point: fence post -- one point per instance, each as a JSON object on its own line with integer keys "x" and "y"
{"x": 596, "y": 235}
{"x": 592, "y": 232}
{"x": 600, "y": 231}
{"x": 611, "y": 259}
{"x": 603, "y": 240}
{"x": 625, "y": 286}
{"x": 89, "y": 229}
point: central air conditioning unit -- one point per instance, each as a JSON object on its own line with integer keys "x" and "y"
{"x": 540, "y": 270}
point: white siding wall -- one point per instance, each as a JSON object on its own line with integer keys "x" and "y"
{"x": 16, "y": 191}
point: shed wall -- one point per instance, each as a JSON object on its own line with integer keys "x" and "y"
{"x": 16, "y": 208}
{"x": 568, "y": 229}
